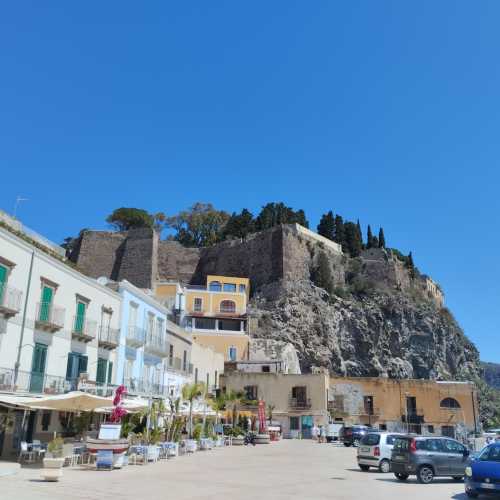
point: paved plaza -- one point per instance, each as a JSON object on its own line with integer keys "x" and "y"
{"x": 284, "y": 470}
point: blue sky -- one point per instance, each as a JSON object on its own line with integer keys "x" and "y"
{"x": 388, "y": 111}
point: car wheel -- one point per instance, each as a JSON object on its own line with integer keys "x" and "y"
{"x": 347, "y": 445}
{"x": 401, "y": 477}
{"x": 384, "y": 466}
{"x": 458, "y": 478}
{"x": 425, "y": 474}
{"x": 364, "y": 468}
{"x": 471, "y": 493}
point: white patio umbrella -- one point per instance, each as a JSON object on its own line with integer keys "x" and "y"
{"x": 75, "y": 401}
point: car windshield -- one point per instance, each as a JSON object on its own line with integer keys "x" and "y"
{"x": 371, "y": 439}
{"x": 401, "y": 444}
{"x": 490, "y": 454}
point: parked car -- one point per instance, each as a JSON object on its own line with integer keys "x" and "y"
{"x": 482, "y": 475}
{"x": 351, "y": 436}
{"x": 375, "y": 450}
{"x": 333, "y": 432}
{"x": 428, "y": 457}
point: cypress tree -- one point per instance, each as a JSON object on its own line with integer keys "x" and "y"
{"x": 381, "y": 238}
{"x": 326, "y": 226}
{"x": 340, "y": 232}
{"x": 369, "y": 237}
{"x": 353, "y": 243}
{"x": 360, "y": 234}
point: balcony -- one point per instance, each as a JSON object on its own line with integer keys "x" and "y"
{"x": 10, "y": 300}
{"x": 145, "y": 387}
{"x": 136, "y": 337}
{"x": 97, "y": 388}
{"x": 300, "y": 403}
{"x": 415, "y": 416}
{"x": 84, "y": 329}
{"x": 49, "y": 317}
{"x": 36, "y": 383}
{"x": 109, "y": 338}
{"x": 156, "y": 344}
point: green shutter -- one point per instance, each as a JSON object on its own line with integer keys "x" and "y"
{"x": 38, "y": 368}
{"x": 47, "y": 294}
{"x": 80, "y": 316}
{"x": 110, "y": 371}
{"x": 70, "y": 368}
{"x": 3, "y": 281}
{"x": 82, "y": 364}
{"x": 101, "y": 371}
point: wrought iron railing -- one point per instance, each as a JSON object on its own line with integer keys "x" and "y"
{"x": 49, "y": 316}
{"x": 10, "y": 299}
{"x": 136, "y": 336}
{"x": 38, "y": 383}
{"x": 109, "y": 337}
{"x": 84, "y": 328}
{"x": 300, "y": 403}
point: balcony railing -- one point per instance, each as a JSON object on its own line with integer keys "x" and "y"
{"x": 145, "y": 388}
{"x": 49, "y": 317}
{"x": 37, "y": 383}
{"x": 84, "y": 329}
{"x": 97, "y": 388}
{"x": 157, "y": 345}
{"x": 136, "y": 337}
{"x": 10, "y": 300}
{"x": 109, "y": 338}
{"x": 415, "y": 416}
{"x": 300, "y": 403}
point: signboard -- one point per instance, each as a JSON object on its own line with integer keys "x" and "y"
{"x": 262, "y": 416}
{"x": 110, "y": 431}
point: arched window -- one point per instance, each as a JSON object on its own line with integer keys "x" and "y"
{"x": 450, "y": 403}
{"x": 227, "y": 306}
{"x": 215, "y": 286}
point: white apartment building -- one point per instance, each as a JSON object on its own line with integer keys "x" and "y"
{"x": 58, "y": 328}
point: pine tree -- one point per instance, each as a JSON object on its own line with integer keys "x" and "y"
{"x": 360, "y": 234}
{"x": 381, "y": 238}
{"x": 339, "y": 236}
{"x": 353, "y": 242}
{"x": 410, "y": 265}
{"x": 326, "y": 226}
{"x": 239, "y": 225}
{"x": 369, "y": 237}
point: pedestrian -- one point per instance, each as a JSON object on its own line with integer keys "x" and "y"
{"x": 322, "y": 434}
{"x": 315, "y": 432}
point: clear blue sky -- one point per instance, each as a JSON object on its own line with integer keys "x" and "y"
{"x": 384, "y": 110}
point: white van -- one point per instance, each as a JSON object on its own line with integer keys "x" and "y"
{"x": 375, "y": 450}
{"x": 333, "y": 432}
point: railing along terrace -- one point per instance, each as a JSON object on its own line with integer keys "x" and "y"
{"x": 49, "y": 316}
{"x": 84, "y": 328}
{"x": 136, "y": 336}
{"x": 109, "y": 336}
{"x": 38, "y": 383}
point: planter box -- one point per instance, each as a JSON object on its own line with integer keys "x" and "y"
{"x": 238, "y": 441}
{"x": 52, "y": 469}
{"x": 262, "y": 439}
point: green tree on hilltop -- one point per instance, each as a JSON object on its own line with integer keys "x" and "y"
{"x": 322, "y": 273}
{"x": 353, "y": 242}
{"x": 239, "y": 225}
{"x": 326, "y": 226}
{"x": 274, "y": 214}
{"x": 360, "y": 233}
{"x": 123, "y": 219}
{"x": 369, "y": 237}
{"x": 381, "y": 238}
{"x": 339, "y": 236}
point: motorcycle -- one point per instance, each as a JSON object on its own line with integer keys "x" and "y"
{"x": 250, "y": 439}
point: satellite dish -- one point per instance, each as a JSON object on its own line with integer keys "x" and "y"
{"x": 102, "y": 280}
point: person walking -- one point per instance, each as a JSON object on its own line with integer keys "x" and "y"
{"x": 315, "y": 432}
{"x": 322, "y": 434}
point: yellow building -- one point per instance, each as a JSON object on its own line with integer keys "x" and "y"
{"x": 215, "y": 313}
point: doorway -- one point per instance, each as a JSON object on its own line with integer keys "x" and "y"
{"x": 38, "y": 368}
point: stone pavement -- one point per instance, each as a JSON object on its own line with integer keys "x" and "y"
{"x": 279, "y": 471}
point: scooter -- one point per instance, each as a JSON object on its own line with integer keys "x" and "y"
{"x": 250, "y": 439}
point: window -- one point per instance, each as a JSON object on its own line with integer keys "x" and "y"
{"x": 338, "y": 402}
{"x": 198, "y": 304}
{"x": 232, "y": 353}
{"x": 251, "y": 392}
{"x": 4, "y": 274}
{"x": 299, "y": 393}
{"x": 370, "y": 439}
{"x": 215, "y": 286}
{"x": 170, "y": 354}
{"x": 196, "y": 375}
{"x": 232, "y": 325}
{"x": 490, "y": 454}
{"x": 102, "y": 367}
{"x": 451, "y": 403}
{"x": 46, "y": 302}
{"x": 150, "y": 326}
{"x": 294, "y": 423}
{"x": 243, "y": 288}
{"x": 448, "y": 431}
{"x": 368, "y": 405}
{"x": 227, "y": 306}
{"x": 204, "y": 323}
{"x": 430, "y": 429}
{"x": 453, "y": 447}
{"x": 208, "y": 380}
{"x": 46, "y": 420}
{"x": 216, "y": 379}
{"x": 81, "y": 311}
{"x": 77, "y": 364}
{"x": 383, "y": 427}
{"x": 266, "y": 369}
{"x": 229, "y": 287}
{"x": 184, "y": 360}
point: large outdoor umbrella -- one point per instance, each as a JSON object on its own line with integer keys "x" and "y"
{"x": 75, "y": 401}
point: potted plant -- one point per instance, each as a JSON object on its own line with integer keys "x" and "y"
{"x": 238, "y": 436}
{"x": 54, "y": 461}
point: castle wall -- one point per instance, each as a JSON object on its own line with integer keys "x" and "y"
{"x": 176, "y": 262}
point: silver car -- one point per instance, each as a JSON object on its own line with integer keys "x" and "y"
{"x": 375, "y": 450}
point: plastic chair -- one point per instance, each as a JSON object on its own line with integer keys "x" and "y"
{"x": 25, "y": 453}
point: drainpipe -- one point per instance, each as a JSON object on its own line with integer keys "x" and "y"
{"x": 23, "y": 324}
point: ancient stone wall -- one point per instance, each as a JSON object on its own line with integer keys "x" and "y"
{"x": 176, "y": 262}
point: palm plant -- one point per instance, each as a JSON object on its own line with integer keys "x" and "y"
{"x": 190, "y": 392}
{"x": 270, "y": 409}
{"x": 218, "y": 405}
{"x": 233, "y": 400}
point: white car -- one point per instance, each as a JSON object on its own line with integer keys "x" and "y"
{"x": 375, "y": 450}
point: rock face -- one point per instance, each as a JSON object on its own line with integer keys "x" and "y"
{"x": 491, "y": 374}
{"x": 264, "y": 349}
{"x": 381, "y": 334}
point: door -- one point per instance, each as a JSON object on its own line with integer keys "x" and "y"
{"x": 3, "y": 281}
{"x": 307, "y": 424}
{"x": 47, "y": 295}
{"x": 38, "y": 368}
{"x": 30, "y": 431}
{"x": 457, "y": 458}
{"x": 437, "y": 456}
{"x": 77, "y": 364}
{"x": 80, "y": 317}
{"x": 102, "y": 365}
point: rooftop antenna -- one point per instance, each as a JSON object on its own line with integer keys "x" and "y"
{"x": 19, "y": 199}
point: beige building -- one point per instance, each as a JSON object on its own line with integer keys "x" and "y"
{"x": 298, "y": 401}
{"x": 208, "y": 366}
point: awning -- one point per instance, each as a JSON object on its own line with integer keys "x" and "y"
{"x": 74, "y": 401}
{"x": 15, "y": 401}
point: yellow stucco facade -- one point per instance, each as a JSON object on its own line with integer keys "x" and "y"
{"x": 223, "y": 343}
